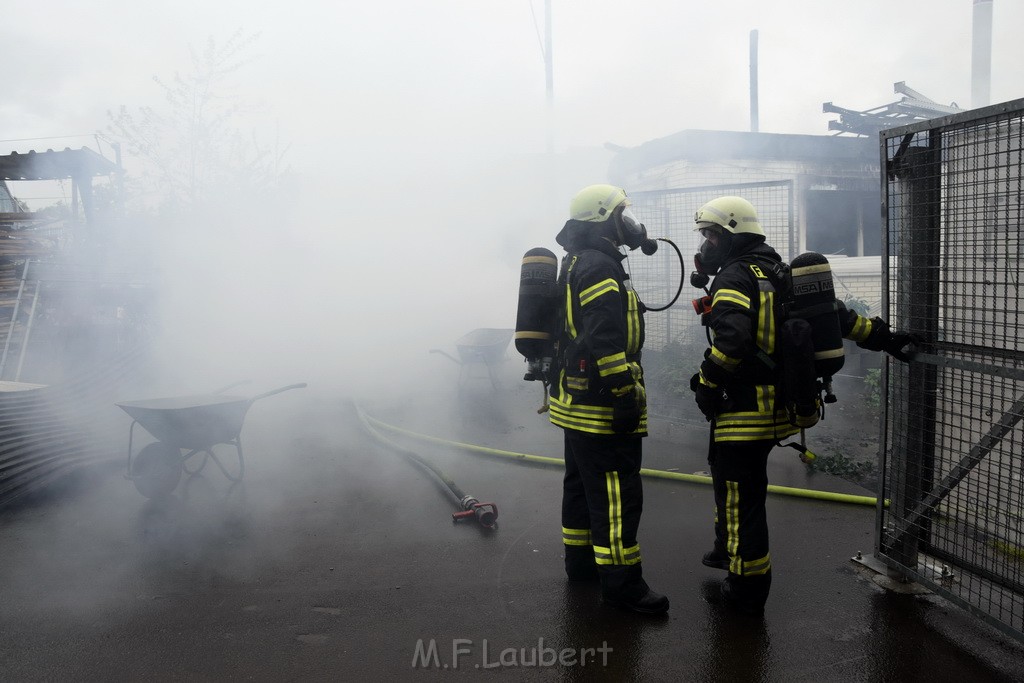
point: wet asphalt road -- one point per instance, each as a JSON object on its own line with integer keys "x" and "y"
{"x": 337, "y": 559}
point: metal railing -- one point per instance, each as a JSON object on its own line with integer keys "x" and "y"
{"x": 952, "y": 436}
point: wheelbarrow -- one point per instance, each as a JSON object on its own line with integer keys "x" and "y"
{"x": 484, "y": 346}
{"x": 185, "y": 427}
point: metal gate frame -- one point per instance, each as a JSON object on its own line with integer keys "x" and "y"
{"x": 952, "y": 501}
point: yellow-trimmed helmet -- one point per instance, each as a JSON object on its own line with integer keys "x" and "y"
{"x": 734, "y": 214}
{"x": 596, "y": 203}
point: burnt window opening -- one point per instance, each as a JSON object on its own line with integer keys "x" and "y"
{"x": 843, "y": 222}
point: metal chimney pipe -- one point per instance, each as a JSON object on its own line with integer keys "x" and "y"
{"x": 754, "y": 124}
{"x": 981, "y": 54}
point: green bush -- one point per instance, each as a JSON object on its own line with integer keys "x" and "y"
{"x": 873, "y": 388}
{"x": 841, "y": 465}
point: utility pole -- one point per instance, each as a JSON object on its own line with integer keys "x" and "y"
{"x": 549, "y": 78}
{"x": 754, "y": 123}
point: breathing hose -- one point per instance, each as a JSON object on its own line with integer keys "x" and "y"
{"x": 657, "y": 474}
{"x": 682, "y": 269}
{"x": 485, "y": 513}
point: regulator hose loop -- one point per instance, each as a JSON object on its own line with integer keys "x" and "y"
{"x": 682, "y": 271}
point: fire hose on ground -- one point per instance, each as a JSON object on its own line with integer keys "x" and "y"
{"x": 468, "y": 506}
{"x": 659, "y": 474}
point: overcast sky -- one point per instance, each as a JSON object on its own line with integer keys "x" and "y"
{"x": 469, "y": 74}
{"x": 408, "y": 121}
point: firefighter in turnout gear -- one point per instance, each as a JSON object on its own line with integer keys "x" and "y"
{"x": 598, "y": 399}
{"x": 735, "y": 389}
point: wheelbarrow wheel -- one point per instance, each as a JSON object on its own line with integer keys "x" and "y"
{"x": 156, "y": 470}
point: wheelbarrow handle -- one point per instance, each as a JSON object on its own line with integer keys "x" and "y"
{"x": 447, "y": 355}
{"x": 232, "y": 386}
{"x": 300, "y": 385}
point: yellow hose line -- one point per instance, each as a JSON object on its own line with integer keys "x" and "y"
{"x": 659, "y": 474}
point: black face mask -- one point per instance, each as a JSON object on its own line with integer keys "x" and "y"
{"x": 710, "y": 259}
{"x": 633, "y": 233}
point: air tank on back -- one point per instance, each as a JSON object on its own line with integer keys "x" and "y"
{"x": 538, "y": 309}
{"x": 814, "y": 300}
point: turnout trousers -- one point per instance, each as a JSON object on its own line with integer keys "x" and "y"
{"x": 602, "y": 500}
{"x": 740, "y": 480}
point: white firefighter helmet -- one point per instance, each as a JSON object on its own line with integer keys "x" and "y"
{"x": 595, "y": 203}
{"x": 734, "y": 214}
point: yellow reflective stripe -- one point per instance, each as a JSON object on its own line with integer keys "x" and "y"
{"x": 738, "y": 435}
{"x": 631, "y": 555}
{"x": 811, "y": 270}
{"x": 732, "y": 525}
{"x": 585, "y": 418}
{"x": 533, "y": 335}
{"x": 570, "y": 324}
{"x": 806, "y": 421}
{"x": 547, "y": 260}
{"x": 632, "y": 323}
{"x": 609, "y": 365}
{"x": 602, "y": 555}
{"x": 596, "y": 412}
{"x": 753, "y": 426}
{"x": 861, "y": 329}
{"x": 576, "y": 536}
{"x": 759, "y": 566}
{"x": 727, "y": 362}
{"x": 765, "y": 394}
{"x": 594, "y": 291}
{"x": 705, "y": 381}
{"x": 619, "y": 392}
{"x": 577, "y": 383}
{"x": 611, "y": 480}
{"x": 766, "y": 323}
{"x": 829, "y": 353}
{"x": 731, "y": 296}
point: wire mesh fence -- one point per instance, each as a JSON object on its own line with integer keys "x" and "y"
{"x": 675, "y": 340}
{"x": 953, "y": 440}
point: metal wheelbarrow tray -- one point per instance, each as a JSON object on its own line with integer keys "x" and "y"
{"x": 190, "y": 424}
{"x": 483, "y": 346}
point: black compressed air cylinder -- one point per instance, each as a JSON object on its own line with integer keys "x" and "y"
{"x": 538, "y": 304}
{"x": 814, "y": 299}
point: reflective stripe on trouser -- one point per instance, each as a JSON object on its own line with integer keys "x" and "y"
{"x": 602, "y": 493}
{"x": 740, "y": 480}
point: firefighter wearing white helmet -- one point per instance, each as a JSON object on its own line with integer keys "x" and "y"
{"x": 736, "y": 384}
{"x": 729, "y": 225}
{"x": 599, "y": 401}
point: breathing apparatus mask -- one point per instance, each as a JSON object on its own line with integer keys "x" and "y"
{"x": 714, "y": 250}
{"x": 632, "y": 233}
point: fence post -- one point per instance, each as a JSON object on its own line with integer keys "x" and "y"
{"x": 917, "y": 172}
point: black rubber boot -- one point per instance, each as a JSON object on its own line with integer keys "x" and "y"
{"x": 716, "y": 558}
{"x": 579, "y": 563}
{"x": 747, "y": 594}
{"x": 623, "y": 586}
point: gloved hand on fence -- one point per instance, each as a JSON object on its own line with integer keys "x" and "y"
{"x": 897, "y": 342}
{"x": 882, "y": 338}
{"x": 626, "y": 414}
{"x": 709, "y": 399}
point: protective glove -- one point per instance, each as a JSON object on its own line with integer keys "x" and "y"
{"x": 896, "y": 342}
{"x": 709, "y": 399}
{"x": 626, "y": 414}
